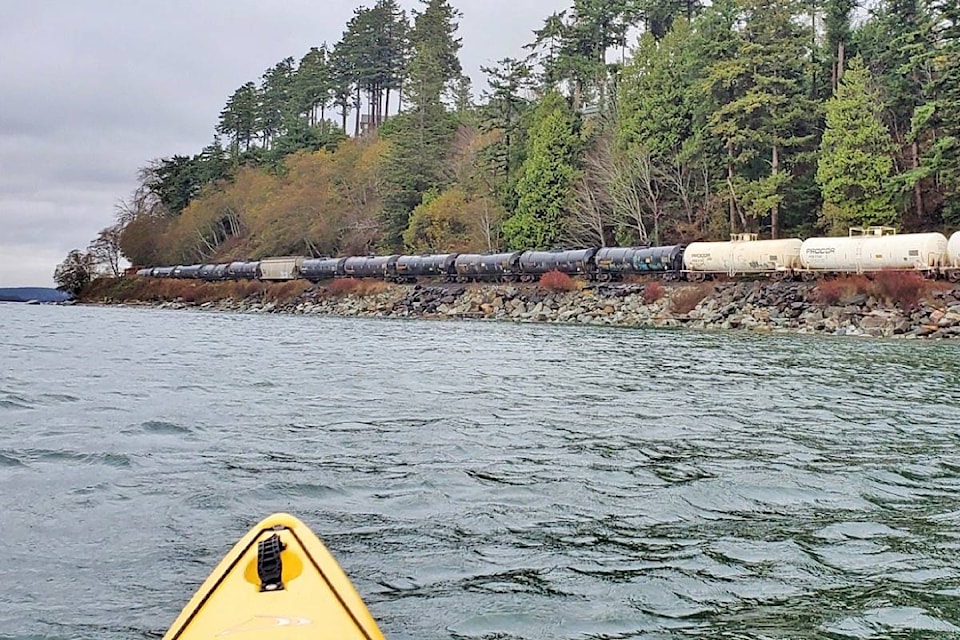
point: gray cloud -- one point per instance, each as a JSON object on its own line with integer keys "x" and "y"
{"x": 93, "y": 90}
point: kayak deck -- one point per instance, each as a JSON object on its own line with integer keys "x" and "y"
{"x": 278, "y": 582}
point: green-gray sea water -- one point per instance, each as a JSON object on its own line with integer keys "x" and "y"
{"x": 480, "y": 480}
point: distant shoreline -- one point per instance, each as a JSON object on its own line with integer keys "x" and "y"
{"x": 30, "y": 294}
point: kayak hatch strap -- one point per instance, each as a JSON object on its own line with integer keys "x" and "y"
{"x": 269, "y": 563}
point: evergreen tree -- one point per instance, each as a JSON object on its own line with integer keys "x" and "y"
{"x": 176, "y": 182}
{"x": 396, "y": 50}
{"x": 276, "y": 100}
{"x": 238, "y": 120}
{"x": 837, "y": 16}
{"x": 212, "y": 164}
{"x": 716, "y": 45}
{"x": 657, "y": 121}
{"x": 312, "y": 85}
{"x": 462, "y": 96}
{"x": 897, "y": 44}
{"x": 771, "y": 115}
{"x": 374, "y": 46}
{"x": 389, "y": 64}
{"x": 577, "y": 42}
{"x": 358, "y": 47}
{"x": 597, "y": 25}
{"x": 546, "y": 185}
{"x": 547, "y": 49}
{"x": 945, "y": 155}
{"x": 342, "y": 82}
{"x": 435, "y": 65}
{"x": 659, "y": 15}
{"x": 503, "y": 115}
{"x": 421, "y": 138}
{"x": 856, "y": 156}
{"x": 657, "y": 93}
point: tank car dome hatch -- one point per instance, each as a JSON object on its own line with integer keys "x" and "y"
{"x": 881, "y": 230}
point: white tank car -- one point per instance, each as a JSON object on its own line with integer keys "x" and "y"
{"x": 743, "y": 255}
{"x": 874, "y": 252}
{"x": 953, "y": 250}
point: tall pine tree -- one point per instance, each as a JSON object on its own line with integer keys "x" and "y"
{"x": 771, "y": 116}
{"x": 238, "y": 120}
{"x": 946, "y": 151}
{"x": 856, "y": 156}
{"x": 546, "y": 185}
{"x": 420, "y": 138}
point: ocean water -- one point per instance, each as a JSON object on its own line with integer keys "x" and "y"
{"x": 481, "y": 480}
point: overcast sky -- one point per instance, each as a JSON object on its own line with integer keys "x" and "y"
{"x": 92, "y": 90}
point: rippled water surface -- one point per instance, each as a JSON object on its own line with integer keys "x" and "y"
{"x": 481, "y": 480}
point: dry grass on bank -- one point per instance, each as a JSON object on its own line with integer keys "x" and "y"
{"x": 834, "y": 290}
{"x": 284, "y": 291}
{"x": 343, "y": 287}
{"x": 190, "y": 291}
{"x": 652, "y": 292}
{"x": 903, "y": 288}
{"x": 686, "y": 300}
{"x": 557, "y": 281}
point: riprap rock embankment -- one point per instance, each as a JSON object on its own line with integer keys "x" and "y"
{"x": 761, "y": 306}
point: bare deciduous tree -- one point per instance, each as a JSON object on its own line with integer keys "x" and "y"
{"x": 590, "y": 214}
{"x": 104, "y": 250}
{"x": 144, "y": 201}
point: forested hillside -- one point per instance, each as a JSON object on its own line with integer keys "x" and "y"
{"x": 621, "y": 122}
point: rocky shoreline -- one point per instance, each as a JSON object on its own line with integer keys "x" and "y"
{"x": 758, "y": 306}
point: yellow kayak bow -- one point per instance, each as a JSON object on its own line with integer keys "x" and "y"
{"x": 279, "y": 582}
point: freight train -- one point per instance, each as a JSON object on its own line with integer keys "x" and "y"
{"x": 865, "y": 250}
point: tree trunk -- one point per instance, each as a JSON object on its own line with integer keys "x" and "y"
{"x": 386, "y": 108}
{"x": 603, "y": 81}
{"x": 918, "y": 187}
{"x": 775, "y": 211}
{"x": 371, "y": 107}
{"x": 840, "y": 66}
{"x": 733, "y": 197}
{"x": 356, "y": 124}
{"x": 813, "y": 53}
